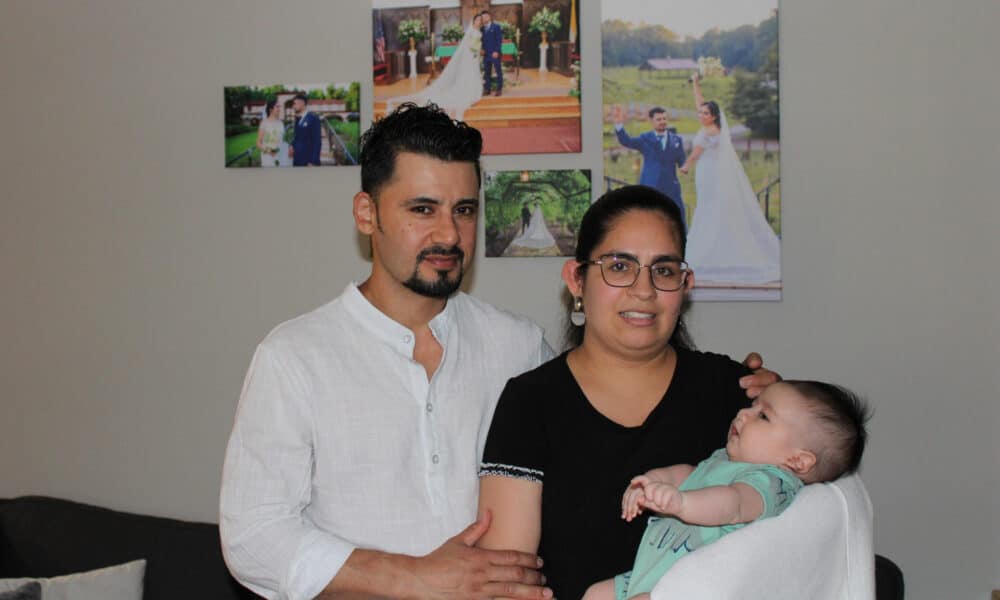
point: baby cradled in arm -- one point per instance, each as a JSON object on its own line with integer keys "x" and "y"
{"x": 795, "y": 433}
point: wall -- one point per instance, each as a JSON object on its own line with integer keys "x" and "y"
{"x": 138, "y": 274}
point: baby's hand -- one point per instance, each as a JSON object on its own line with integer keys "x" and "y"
{"x": 632, "y": 499}
{"x": 662, "y": 498}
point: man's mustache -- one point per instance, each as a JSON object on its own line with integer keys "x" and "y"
{"x": 440, "y": 251}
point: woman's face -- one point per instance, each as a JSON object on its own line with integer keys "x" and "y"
{"x": 705, "y": 116}
{"x": 634, "y": 321}
{"x": 477, "y": 22}
{"x": 274, "y": 111}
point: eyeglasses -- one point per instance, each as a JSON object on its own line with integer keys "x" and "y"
{"x": 623, "y": 271}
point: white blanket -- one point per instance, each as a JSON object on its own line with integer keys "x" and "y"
{"x": 819, "y": 548}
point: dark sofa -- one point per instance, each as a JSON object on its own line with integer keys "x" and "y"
{"x": 45, "y": 537}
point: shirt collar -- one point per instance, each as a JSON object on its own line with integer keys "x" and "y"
{"x": 389, "y": 331}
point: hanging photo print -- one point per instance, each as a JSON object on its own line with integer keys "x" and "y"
{"x": 691, "y": 108}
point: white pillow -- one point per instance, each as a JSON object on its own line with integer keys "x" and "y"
{"x": 120, "y": 582}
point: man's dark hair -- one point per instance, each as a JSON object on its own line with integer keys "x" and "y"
{"x": 656, "y": 110}
{"x": 841, "y": 415}
{"x": 301, "y": 97}
{"x": 426, "y": 130}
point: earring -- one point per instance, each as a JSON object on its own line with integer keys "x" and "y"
{"x": 577, "y": 317}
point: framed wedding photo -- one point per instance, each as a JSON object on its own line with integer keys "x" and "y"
{"x": 510, "y": 69}
{"x": 690, "y": 107}
{"x": 292, "y": 125}
{"x": 534, "y": 213}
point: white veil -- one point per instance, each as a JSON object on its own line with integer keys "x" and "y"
{"x": 458, "y": 86}
{"x": 730, "y": 240}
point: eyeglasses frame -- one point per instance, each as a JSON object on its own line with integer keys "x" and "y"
{"x": 599, "y": 261}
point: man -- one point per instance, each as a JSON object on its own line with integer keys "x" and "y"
{"x": 492, "y": 48}
{"x": 308, "y": 135}
{"x": 352, "y": 465}
{"x": 662, "y": 153}
{"x": 356, "y": 445}
{"x": 525, "y": 217}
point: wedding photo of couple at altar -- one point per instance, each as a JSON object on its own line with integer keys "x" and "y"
{"x": 691, "y": 109}
{"x": 510, "y": 70}
{"x": 534, "y": 213}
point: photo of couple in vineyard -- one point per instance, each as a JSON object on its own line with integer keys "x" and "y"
{"x": 671, "y": 90}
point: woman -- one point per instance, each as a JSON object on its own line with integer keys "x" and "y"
{"x": 271, "y": 136}
{"x": 632, "y": 394}
{"x": 730, "y": 241}
{"x": 460, "y": 83}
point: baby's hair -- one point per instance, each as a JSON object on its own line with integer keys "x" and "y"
{"x": 841, "y": 415}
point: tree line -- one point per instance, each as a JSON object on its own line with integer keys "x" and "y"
{"x": 625, "y": 44}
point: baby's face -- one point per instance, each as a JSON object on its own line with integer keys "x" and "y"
{"x": 772, "y": 429}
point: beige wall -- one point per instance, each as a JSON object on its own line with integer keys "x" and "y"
{"x": 138, "y": 274}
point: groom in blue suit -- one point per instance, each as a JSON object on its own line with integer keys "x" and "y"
{"x": 308, "y": 135}
{"x": 662, "y": 153}
{"x": 492, "y": 51}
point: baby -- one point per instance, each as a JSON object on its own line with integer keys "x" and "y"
{"x": 795, "y": 433}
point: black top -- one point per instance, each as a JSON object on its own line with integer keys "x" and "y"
{"x": 546, "y": 430}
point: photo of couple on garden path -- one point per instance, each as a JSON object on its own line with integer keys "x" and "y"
{"x": 691, "y": 109}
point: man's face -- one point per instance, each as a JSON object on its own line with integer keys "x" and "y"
{"x": 299, "y": 105}
{"x": 659, "y": 121}
{"x": 425, "y": 224}
{"x": 487, "y": 19}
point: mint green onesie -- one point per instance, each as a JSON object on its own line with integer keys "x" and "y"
{"x": 666, "y": 539}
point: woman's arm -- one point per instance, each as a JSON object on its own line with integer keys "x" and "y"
{"x": 260, "y": 137}
{"x": 698, "y": 98}
{"x": 691, "y": 159}
{"x": 516, "y": 506}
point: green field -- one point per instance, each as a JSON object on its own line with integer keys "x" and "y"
{"x": 625, "y": 85}
{"x": 239, "y": 143}
{"x": 236, "y": 144}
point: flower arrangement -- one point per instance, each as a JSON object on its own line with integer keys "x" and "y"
{"x": 575, "y": 81}
{"x": 507, "y": 28}
{"x": 452, "y": 33}
{"x": 545, "y": 22}
{"x": 412, "y": 29}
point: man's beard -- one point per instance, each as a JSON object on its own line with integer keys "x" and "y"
{"x": 442, "y": 287}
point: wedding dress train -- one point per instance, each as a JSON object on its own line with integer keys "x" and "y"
{"x": 459, "y": 85}
{"x": 535, "y": 237}
{"x": 729, "y": 240}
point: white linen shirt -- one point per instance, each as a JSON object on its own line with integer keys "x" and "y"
{"x": 341, "y": 442}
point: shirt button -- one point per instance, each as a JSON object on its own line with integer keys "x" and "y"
{"x": 407, "y": 339}
{"x": 435, "y": 459}
{"x": 430, "y": 407}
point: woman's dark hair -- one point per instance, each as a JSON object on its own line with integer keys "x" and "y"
{"x": 419, "y": 129}
{"x": 269, "y": 107}
{"x": 598, "y": 221}
{"x": 713, "y": 108}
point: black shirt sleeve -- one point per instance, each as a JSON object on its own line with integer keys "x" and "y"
{"x": 515, "y": 446}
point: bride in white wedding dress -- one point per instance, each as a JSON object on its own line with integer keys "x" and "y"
{"x": 535, "y": 238}
{"x": 729, "y": 240}
{"x": 460, "y": 84}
